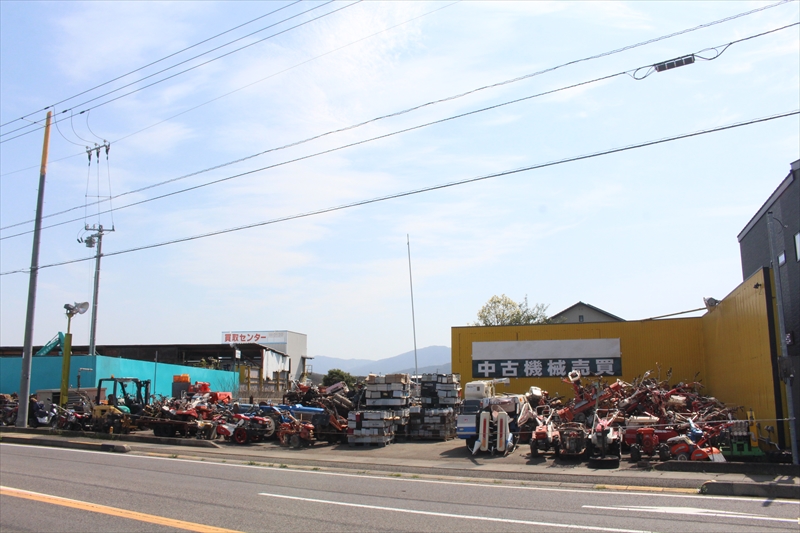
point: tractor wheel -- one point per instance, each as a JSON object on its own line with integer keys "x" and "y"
{"x": 534, "y": 450}
{"x": 240, "y": 436}
{"x": 682, "y": 457}
{"x": 269, "y": 427}
{"x": 294, "y": 441}
{"x": 157, "y": 430}
{"x": 663, "y": 452}
{"x": 588, "y": 452}
{"x": 636, "y": 453}
{"x": 255, "y": 438}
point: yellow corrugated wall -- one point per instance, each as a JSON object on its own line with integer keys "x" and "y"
{"x": 729, "y": 347}
{"x": 737, "y": 349}
{"x": 644, "y": 345}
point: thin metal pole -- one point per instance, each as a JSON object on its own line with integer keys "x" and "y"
{"x": 155, "y": 374}
{"x": 66, "y": 355}
{"x": 27, "y": 349}
{"x": 93, "y": 331}
{"x": 413, "y": 319}
{"x": 782, "y": 329}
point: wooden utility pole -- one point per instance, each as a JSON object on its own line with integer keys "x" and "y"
{"x": 25, "y": 378}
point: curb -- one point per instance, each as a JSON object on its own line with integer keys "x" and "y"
{"x": 762, "y": 490}
{"x": 171, "y": 441}
{"x": 93, "y": 446}
{"x": 773, "y": 469}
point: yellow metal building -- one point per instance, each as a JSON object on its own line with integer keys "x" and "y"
{"x": 732, "y": 349}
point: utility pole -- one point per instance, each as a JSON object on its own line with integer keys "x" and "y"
{"x": 25, "y": 378}
{"x": 413, "y": 319}
{"x": 783, "y": 358}
{"x": 90, "y": 242}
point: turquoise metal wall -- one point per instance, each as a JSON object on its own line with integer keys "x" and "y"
{"x": 46, "y": 373}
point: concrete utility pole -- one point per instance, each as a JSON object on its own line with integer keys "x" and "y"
{"x": 783, "y": 359}
{"x": 25, "y": 378}
{"x": 90, "y": 242}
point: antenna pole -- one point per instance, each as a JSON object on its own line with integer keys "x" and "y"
{"x": 413, "y": 319}
{"x": 25, "y": 377}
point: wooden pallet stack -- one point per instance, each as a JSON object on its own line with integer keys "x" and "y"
{"x": 371, "y": 427}
{"x": 435, "y": 418}
{"x": 387, "y": 413}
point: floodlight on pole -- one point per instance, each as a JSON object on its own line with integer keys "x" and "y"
{"x": 72, "y": 310}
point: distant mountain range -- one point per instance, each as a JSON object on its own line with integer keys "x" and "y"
{"x": 431, "y": 359}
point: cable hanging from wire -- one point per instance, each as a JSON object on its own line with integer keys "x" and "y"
{"x": 421, "y": 190}
{"x": 629, "y": 72}
{"x": 689, "y": 59}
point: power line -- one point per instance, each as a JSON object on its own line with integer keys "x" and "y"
{"x": 309, "y": 156}
{"x": 423, "y": 190}
{"x": 630, "y": 72}
{"x": 251, "y": 84}
{"x": 178, "y": 73}
{"x": 154, "y": 63}
{"x": 506, "y": 82}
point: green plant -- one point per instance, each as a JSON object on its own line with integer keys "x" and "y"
{"x": 336, "y": 375}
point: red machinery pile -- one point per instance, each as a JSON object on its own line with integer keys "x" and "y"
{"x": 649, "y": 416}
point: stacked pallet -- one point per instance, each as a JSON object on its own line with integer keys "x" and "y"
{"x": 371, "y": 427}
{"x": 440, "y": 390}
{"x": 435, "y": 423}
{"x": 435, "y": 418}
{"x": 391, "y": 390}
{"x": 387, "y": 400}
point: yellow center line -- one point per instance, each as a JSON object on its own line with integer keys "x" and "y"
{"x": 637, "y": 488}
{"x": 113, "y": 511}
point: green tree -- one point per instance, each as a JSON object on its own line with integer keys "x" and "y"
{"x": 503, "y": 311}
{"x": 335, "y": 375}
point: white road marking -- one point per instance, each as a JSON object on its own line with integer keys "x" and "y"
{"x": 694, "y": 511}
{"x": 449, "y": 515}
{"x": 486, "y": 485}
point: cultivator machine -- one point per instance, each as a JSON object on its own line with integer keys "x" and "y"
{"x": 647, "y": 417}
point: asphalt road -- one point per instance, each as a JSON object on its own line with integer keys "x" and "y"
{"x": 174, "y": 494}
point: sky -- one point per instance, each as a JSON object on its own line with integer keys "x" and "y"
{"x": 640, "y": 233}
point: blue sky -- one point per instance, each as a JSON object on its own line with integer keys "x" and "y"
{"x": 640, "y": 233}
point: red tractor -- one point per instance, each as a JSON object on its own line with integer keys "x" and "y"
{"x": 295, "y": 433}
{"x": 648, "y": 443}
{"x": 684, "y": 448}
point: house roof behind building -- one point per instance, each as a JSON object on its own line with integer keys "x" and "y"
{"x": 615, "y": 317}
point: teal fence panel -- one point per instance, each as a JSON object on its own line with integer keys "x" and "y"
{"x": 161, "y": 374}
{"x": 46, "y": 373}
